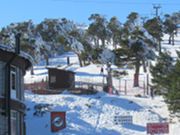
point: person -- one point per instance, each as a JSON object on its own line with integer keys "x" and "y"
{"x": 152, "y": 92}
{"x": 102, "y": 70}
{"x": 68, "y": 60}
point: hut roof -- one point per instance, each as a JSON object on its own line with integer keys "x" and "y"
{"x": 25, "y": 56}
{"x": 60, "y": 69}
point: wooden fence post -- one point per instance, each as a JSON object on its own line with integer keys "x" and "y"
{"x": 125, "y": 87}
{"x": 119, "y": 84}
{"x": 144, "y": 88}
{"x": 147, "y": 83}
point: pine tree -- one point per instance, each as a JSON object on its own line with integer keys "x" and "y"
{"x": 170, "y": 27}
{"x": 28, "y": 38}
{"x": 116, "y": 31}
{"x": 160, "y": 72}
{"x": 154, "y": 27}
{"x": 98, "y": 30}
{"x": 138, "y": 45}
{"x": 173, "y": 86}
{"x": 166, "y": 80}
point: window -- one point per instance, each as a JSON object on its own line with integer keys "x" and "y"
{"x": 13, "y": 82}
{"x": 53, "y": 79}
{"x": 14, "y": 123}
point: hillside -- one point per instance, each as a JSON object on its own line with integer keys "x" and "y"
{"x": 95, "y": 114}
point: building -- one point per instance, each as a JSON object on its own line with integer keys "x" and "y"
{"x": 12, "y": 108}
{"x": 60, "y": 79}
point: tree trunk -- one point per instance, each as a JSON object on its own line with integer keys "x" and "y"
{"x": 136, "y": 75}
{"x": 80, "y": 61}
{"x": 103, "y": 43}
{"x": 84, "y": 62}
{"x": 159, "y": 43}
{"x": 170, "y": 36}
{"x": 32, "y": 71}
{"x": 96, "y": 40}
{"x": 173, "y": 38}
{"x": 47, "y": 59}
{"x": 109, "y": 76}
{"x": 144, "y": 66}
{"x": 68, "y": 61}
{"x": 114, "y": 44}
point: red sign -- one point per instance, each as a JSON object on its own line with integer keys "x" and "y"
{"x": 157, "y": 128}
{"x": 58, "y": 121}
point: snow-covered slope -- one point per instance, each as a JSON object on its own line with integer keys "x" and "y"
{"x": 91, "y": 115}
{"x": 169, "y": 47}
{"x": 94, "y": 114}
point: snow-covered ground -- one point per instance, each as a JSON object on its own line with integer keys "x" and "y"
{"x": 89, "y": 74}
{"x": 94, "y": 114}
{"x": 171, "y": 48}
{"x": 91, "y": 115}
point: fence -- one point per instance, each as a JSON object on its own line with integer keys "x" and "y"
{"x": 89, "y": 85}
{"x": 125, "y": 87}
{"x": 122, "y": 86}
{"x": 95, "y": 83}
{"x": 38, "y": 87}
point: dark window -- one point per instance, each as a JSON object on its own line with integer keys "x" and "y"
{"x": 13, "y": 82}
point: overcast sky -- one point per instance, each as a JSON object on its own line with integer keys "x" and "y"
{"x": 79, "y": 10}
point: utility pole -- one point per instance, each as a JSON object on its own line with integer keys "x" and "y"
{"x": 156, "y": 7}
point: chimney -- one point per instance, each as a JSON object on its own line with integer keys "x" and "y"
{"x": 17, "y": 49}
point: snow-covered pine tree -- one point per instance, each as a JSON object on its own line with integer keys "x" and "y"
{"x": 154, "y": 27}
{"x": 170, "y": 27}
{"x": 98, "y": 30}
{"x": 138, "y": 44}
{"x": 28, "y": 39}
{"x": 115, "y": 28}
{"x": 160, "y": 72}
{"x": 107, "y": 57}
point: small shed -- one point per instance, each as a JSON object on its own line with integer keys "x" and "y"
{"x": 60, "y": 79}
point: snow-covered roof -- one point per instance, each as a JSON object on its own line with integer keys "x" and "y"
{"x": 11, "y": 49}
{"x": 62, "y": 68}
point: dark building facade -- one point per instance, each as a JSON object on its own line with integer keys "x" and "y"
{"x": 12, "y": 107}
{"x": 61, "y": 79}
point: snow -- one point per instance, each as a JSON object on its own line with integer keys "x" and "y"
{"x": 9, "y": 48}
{"x": 94, "y": 114}
{"x": 107, "y": 56}
{"x": 171, "y": 48}
{"x": 77, "y": 47}
{"x": 89, "y": 115}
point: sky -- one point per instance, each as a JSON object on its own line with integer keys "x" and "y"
{"x": 12, "y": 11}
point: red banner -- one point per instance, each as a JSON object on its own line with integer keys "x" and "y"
{"x": 58, "y": 121}
{"x": 157, "y": 128}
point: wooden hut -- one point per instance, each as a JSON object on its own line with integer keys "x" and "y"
{"x": 60, "y": 79}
